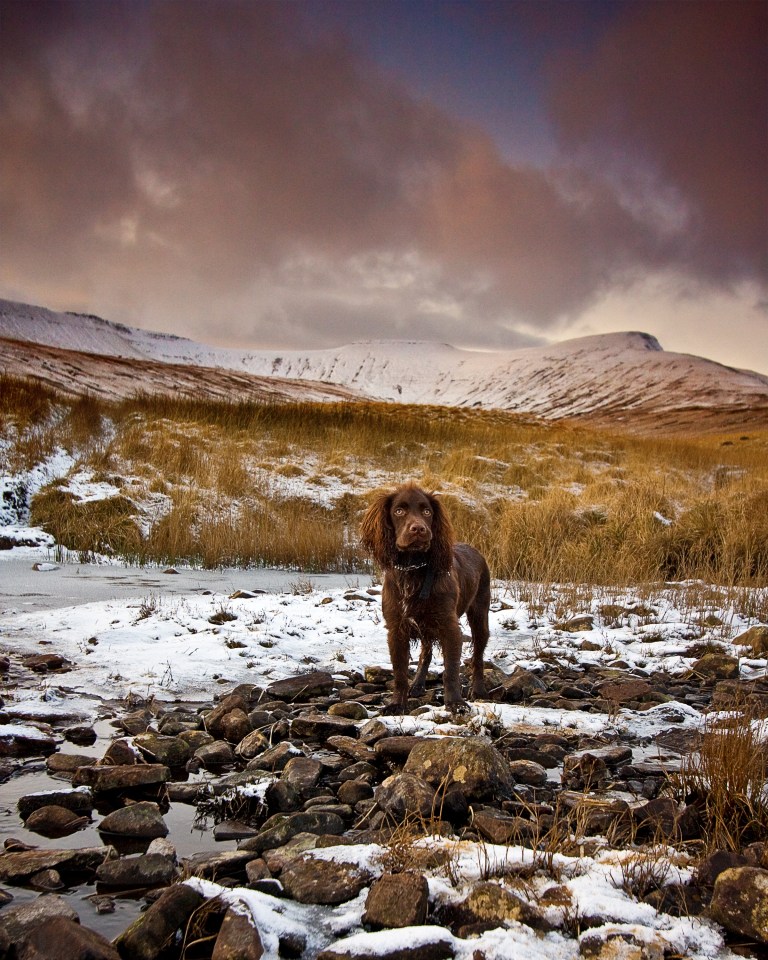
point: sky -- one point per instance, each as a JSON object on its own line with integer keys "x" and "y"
{"x": 307, "y": 173}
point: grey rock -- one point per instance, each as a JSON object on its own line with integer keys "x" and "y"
{"x": 142, "y": 820}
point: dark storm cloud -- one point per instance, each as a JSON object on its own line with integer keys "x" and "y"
{"x": 209, "y": 163}
{"x": 680, "y": 90}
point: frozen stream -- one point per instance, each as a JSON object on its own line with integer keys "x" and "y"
{"x": 25, "y": 589}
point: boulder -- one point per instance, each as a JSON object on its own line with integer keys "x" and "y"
{"x": 65, "y": 939}
{"x": 716, "y": 666}
{"x": 756, "y": 638}
{"x": 471, "y": 763}
{"x": 238, "y": 938}
{"x": 55, "y": 821}
{"x": 18, "y": 922}
{"x": 302, "y": 773}
{"x": 145, "y": 938}
{"x": 397, "y": 900}
{"x": 740, "y": 902}
{"x": 140, "y": 820}
{"x": 171, "y": 751}
{"x": 521, "y": 685}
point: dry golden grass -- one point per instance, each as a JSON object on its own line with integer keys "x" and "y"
{"x": 725, "y": 778}
{"x": 284, "y": 483}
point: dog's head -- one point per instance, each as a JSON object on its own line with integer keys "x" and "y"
{"x": 408, "y": 520}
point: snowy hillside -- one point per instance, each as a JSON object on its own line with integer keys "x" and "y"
{"x": 618, "y": 376}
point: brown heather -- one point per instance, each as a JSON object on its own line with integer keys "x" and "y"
{"x": 546, "y": 501}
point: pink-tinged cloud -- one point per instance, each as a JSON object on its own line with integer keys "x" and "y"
{"x": 190, "y": 165}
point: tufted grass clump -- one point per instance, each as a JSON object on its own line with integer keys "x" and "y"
{"x": 725, "y": 777}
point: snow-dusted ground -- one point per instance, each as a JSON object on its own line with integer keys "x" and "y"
{"x": 147, "y": 633}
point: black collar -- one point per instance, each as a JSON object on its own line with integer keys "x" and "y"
{"x": 410, "y": 562}
{"x": 407, "y": 560}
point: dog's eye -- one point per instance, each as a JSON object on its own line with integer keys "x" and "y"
{"x": 399, "y": 511}
{"x": 426, "y": 511}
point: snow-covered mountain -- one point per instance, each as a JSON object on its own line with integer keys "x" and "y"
{"x": 617, "y": 376}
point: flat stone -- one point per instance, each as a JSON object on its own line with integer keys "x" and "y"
{"x": 146, "y": 870}
{"x": 418, "y": 943}
{"x": 280, "y": 828}
{"x": 65, "y": 764}
{"x": 103, "y": 778}
{"x": 396, "y": 749}
{"x": 311, "y": 880}
{"x": 79, "y": 801}
{"x": 622, "y": 691}
{"x": 211, "y": 866}
{"x": 302, "y": 687}
{"x": 22, "y": 864}
{"x": 320, "y": 726}
{"x": 352, "y": 748}
{"x": 23, "y": 740}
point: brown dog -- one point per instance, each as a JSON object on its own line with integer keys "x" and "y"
{"x": 429, "y": 582}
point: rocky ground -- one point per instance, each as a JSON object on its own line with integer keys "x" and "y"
{"x": 343, "y": 832}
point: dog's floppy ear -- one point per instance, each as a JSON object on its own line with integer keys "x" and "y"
{"x": 443, "y": 537}
{"x": 377, "y": 534}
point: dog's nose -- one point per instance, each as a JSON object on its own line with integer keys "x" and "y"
{"x": 417, "y": 527}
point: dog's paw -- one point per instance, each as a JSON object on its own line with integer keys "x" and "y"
{"x": 458, "y": 707}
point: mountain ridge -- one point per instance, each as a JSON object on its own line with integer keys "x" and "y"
{"x": 617, "y": 377}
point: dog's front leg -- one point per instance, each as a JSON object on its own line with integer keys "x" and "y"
{"x": 398, "y": 640}
{"x": 451, "y": 644}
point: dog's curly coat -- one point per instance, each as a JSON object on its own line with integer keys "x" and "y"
{"x": 429, "y": 582}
